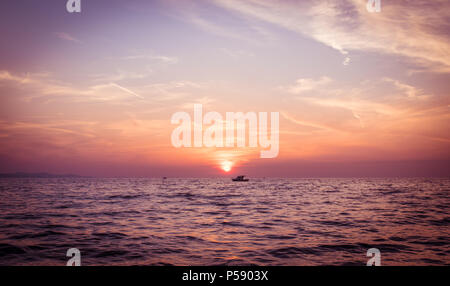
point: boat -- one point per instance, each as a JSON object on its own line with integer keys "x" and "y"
{"x": 240, "y": 179}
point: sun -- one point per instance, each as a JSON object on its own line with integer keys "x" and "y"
{"x": 226, "y": 166}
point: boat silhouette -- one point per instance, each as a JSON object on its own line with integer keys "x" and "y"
{"x": 240, "y": 179}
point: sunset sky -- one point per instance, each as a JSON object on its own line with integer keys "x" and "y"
{"x": 358, "y": 93}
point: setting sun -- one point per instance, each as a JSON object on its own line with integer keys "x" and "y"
{"x": 226, "y": 166}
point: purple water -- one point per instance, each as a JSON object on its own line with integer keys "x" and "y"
{"x": 219, "y": 222}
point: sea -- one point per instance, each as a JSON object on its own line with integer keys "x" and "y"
{"x": 214, "y": 221}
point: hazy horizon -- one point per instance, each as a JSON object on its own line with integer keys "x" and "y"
{"x": 402, "y": 170}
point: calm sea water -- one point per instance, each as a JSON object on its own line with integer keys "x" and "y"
{"x": 219, "y": 222}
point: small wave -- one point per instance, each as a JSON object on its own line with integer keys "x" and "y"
{"x": 429, "y": 242}
{"x": 232, "y": 223}
{"x": 290, "y": 252}
{"x": 432, "y": 261}
{"x": 191, "y": 238}
{"x": 441, "y": 222}
{"x": 396, "y": 238}
{"x": 280, "y": 237}
{"x": 6, "y": 249}
{"x": 124, "y": 197}
{"x": 112, "y": 235}
{"x": 335, "y": 223}
{"x": 386, "y": 247}
{"x": 43, "y": 234}
{"x": 389, "y": 191}
{"x": 168, "y": 250}
{"x": 352, "y": 248}
{"x": 111, "y": 253}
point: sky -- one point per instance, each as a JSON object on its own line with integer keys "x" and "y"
{"x": 358, "y": 94}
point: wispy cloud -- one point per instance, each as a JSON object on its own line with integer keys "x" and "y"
{"x": 126, "y": 90}
{"x": 120, "y": 75}
{"x": 307, "y": 84}
{"x": 44, "y": 86}
{"x": 214, "y": 24}
{"x": 409, "y": 90}
{"x": 213, "y": 28}
{"x": 316, "y": 125}
{"x": 160, "y": 58}
{"x": 67, "y": 37}
{"x": 347, "y": 26}
{"x": 329, "y": 104}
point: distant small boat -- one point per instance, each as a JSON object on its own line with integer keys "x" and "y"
{"x": 240, "y": 179}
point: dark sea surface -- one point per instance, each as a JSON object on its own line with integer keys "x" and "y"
{"x": 220, "y": 222}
